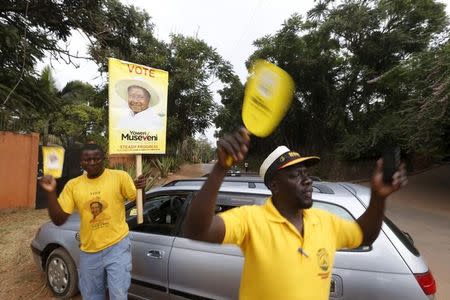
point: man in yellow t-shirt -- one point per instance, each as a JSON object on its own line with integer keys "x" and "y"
{"x": 99, "y": 197}
{"x": 288, "y": 246}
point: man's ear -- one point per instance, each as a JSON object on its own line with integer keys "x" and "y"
{"x": 273, "y": 186}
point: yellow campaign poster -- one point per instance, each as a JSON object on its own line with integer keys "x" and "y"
{"x": 53, "y": 160}
{"x": 137, "y": 108}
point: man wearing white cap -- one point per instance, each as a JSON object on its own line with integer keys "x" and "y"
{"x": 141, "y": 97}
{"x": 289, "y": 247}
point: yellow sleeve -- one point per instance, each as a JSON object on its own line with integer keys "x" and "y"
{"x": 236, "y": 228}
{"x": 65, "y": 199}
{"x": 127, "y": 186}
{"x": 348, "y": 233}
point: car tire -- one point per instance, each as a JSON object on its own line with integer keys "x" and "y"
{"x": 61, "y": 273}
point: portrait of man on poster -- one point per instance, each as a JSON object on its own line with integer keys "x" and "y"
{"x": 141, "y": 98}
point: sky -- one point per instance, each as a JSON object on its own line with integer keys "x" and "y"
{"x": 228, "y": 26}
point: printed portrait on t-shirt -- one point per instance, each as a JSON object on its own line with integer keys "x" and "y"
{"x": 98, "y": 209}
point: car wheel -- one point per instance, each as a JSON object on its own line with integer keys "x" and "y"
{"x": 61, "y": 273}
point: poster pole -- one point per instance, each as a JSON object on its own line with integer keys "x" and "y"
{"x": 140, "y": 218}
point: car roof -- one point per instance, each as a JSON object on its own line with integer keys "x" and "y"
{"x": 251, "y": 190}
{"x": 255, "y": 185}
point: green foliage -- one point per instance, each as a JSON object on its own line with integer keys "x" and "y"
{"x": 147, "y": 170}
{"x": 345, "y": 59}
{"x": 367, "y": 73}
{"x": 229, "y": 114}
{"x": 114, "y": 30}
{"x": 164, "y": 164}
{"x": 424, "y": 116}
{"x": 28, "y": 31}
{"x": 192, "y": 64}
{"x": 74, "y": 119}
{"x": 197, "y": 151}
{"x": 167, "y": 164}
{"x": 206, "y": 152}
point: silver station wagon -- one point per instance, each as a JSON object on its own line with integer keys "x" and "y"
{"x": 168, "y": 266}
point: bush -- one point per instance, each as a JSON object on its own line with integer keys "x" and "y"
{"x": 167, "y": 164}
{"x": 147, "y": 170}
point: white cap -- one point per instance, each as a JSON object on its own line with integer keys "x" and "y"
{"x": 280, "y": 150}
{"x": 282, "y": 158}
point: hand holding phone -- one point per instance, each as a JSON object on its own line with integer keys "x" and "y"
{"x": 391, "y": 163}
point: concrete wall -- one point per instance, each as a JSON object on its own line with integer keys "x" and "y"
{"x": 18, "y": 169}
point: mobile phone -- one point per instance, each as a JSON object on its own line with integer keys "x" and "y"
{"x": 391, "y": 163}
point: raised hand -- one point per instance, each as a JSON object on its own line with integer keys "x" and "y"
{"x": 382, "y": 189}
{"x": 48, "y": 183}
{"x": 234, "y": 145}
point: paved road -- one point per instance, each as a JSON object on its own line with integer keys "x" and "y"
{"x": 422, "y": 209}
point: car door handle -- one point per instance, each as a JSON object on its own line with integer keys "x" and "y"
{"x": 336, "y": 288}
{"x": 155, "y": 254}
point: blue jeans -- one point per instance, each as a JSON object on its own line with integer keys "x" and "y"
{"x": 109, "y": 267}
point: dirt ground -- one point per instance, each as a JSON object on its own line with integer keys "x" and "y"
{"x": 422, "y": 209}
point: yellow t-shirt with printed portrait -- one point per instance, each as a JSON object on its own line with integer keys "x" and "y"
{"x": 100, "y": 202}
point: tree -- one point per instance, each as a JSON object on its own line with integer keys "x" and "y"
{"x": 338, "y": 57}
{"x": 74, "y": 119}
{"x": 113, "y": 30}
{"x": 78, "y": 120}
{"x": 30, "y": 30}
{"x": 192, "y": 65}
{"x": 424, "y": 116}
{"x": 229, "y": 114}
{"x": 376, "y": 37}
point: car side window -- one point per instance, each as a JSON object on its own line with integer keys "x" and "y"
{"x": 342, "y": 213}
{"x": 226, "y": 201}
{"x": 334, "y": 209}
{"x": 161, "y": 215}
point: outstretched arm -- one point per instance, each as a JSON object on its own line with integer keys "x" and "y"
{"x": 371, "y": 220}
{"x": 201, "y": 222}
{"x": 57, "y": 215}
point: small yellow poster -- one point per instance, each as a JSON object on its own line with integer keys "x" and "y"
{"x": 53, "y": 160}
{"x": 137, "y": 108}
